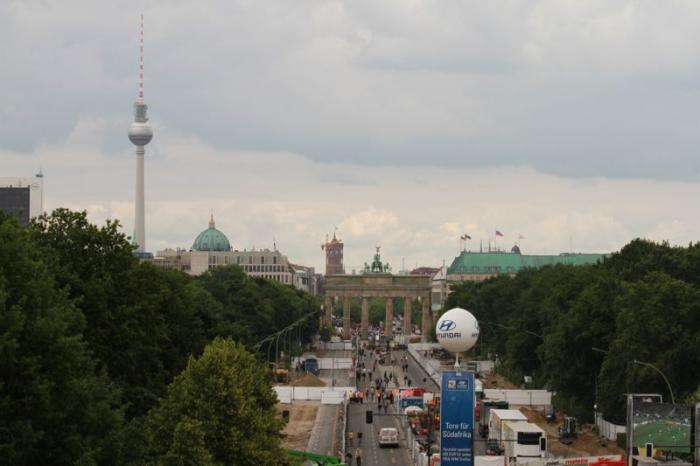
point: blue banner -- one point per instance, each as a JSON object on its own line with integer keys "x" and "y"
{"x": 407, "y": 401}
{"x": 457, "y": 419}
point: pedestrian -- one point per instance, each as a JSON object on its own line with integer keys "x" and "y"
{"x": 358, "y": 457}
{"x": 359, "y": 438}
{"x": 409, "y": 382}
{"x": 348, "y": 458}
{"x": 351, "y": 434}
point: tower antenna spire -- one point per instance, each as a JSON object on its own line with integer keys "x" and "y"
{"x": 141, "y": 63}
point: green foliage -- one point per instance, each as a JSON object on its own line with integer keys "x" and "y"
{"x": 90, "y": 339}
{"x": 57, "y": 406}
{"x": 641, "y": 303}
{"x": 275, "y": 305}
{"x": 220, "y": 410}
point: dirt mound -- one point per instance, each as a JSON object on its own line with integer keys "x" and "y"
{"x": 309, "y": 380}
{"x": 494, "y": 380}
{"x": 302, "y": 416}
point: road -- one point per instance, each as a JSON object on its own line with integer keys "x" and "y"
{"x": 372, "y": 455}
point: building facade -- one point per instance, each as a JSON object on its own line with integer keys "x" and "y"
{"x": 22, "y": 197}
{"x": 212, "y": 249}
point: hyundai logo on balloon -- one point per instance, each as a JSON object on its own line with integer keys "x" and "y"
{"x": 447, "y": 325}
{"x": 457, "y": 330}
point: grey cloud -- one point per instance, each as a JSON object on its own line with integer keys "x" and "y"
{"x": 575, "y": 89}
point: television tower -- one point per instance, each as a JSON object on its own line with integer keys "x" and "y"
{"x": 140, "y": 134}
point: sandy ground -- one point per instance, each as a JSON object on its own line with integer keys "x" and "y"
{"x": 587, "y": 443}
{"x": 302, "y": 415}
{"x": 494, "y": 380}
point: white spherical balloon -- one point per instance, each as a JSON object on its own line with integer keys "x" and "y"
{"x": 457, "y": 330}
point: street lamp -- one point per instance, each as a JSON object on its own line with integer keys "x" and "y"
{"x": 642, "y": 363}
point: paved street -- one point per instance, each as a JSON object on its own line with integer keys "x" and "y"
{"x": 371, "y": 453}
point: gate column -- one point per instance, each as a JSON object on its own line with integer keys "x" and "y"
{"x": 346, "y": 317}
{"x": 426, "y": 319}
{"x": 407, "y": 327}
{"x": 364, "y": 323}
{"x": 389, "y": 318}
{"x": 328, "y": 309}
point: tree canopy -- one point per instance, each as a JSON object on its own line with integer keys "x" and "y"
{"x": 91, "y": 338}
{"x": 639, "y": 304}
{"x": 219, "y": 410}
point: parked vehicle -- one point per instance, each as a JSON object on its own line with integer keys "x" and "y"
{"x": 549, "y": 414}
{"x": 496, "y": 421}
{"x": 484, "y": 414}
{"x": 567, "y": 431}
{"x": 493, "y": 448}
{"x": 311, "y": 366}
{"x": 388, "y": 437}
{"x": 523, "y": 440}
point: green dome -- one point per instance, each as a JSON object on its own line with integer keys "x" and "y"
{"x": 211, "y": 239}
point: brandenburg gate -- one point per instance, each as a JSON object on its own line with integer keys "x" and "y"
{"x": 378, "y": 282}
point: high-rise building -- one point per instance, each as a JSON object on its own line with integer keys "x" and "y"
{"x": 334, "y": 256}
{"x": 140, "y": 134}
{"x": 22, "y": 197}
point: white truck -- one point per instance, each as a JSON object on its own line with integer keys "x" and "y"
{"x": 496, "y": 419}
{"x": 523, "y": 440}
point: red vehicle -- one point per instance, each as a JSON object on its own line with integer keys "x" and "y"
{"x": 408, "y": 392}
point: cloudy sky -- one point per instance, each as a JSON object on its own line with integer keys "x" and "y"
{"x": 404, "y": 123}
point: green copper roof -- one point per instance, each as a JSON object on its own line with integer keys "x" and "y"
{"x": 211, "y": 239}
{"x": 512, "y": 262}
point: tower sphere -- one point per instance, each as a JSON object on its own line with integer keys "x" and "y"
{"x": 140, "y": 133}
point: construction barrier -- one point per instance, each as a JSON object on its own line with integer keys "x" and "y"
{"x": 289, "y": 394}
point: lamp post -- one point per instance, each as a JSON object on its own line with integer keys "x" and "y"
{"x": 642, "y": 363}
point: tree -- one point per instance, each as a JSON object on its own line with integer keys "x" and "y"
{"x": 56, "y": 405}
{"x": 220, "y": 410}
{"x": 143, "y": 322}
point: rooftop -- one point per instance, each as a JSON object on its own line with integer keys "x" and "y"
{"x": 512, "y": 262}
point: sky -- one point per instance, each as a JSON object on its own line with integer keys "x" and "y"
{"x": 402, "y": 123}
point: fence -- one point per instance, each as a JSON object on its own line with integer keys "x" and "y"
{"x": 326, "y": 395}
{"x": 520, "y": 397}
{"x": 608, "y": 429}
{"x": 330, "y": 363}
{"x": 336, "y": 345}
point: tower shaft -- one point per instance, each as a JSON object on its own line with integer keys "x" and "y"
{"x": 139, "y": 204}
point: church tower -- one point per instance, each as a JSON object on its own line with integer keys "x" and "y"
{"x": 334, "y": 256}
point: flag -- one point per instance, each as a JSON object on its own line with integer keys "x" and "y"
{"x": 498, "y": 233}
{"x": 466, "y": 236}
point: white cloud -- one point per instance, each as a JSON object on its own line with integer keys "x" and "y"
{"x": 416, "y": 214}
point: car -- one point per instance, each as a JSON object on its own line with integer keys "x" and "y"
{"x": 549, "y": 414}
{"x": 388, "y": 437}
